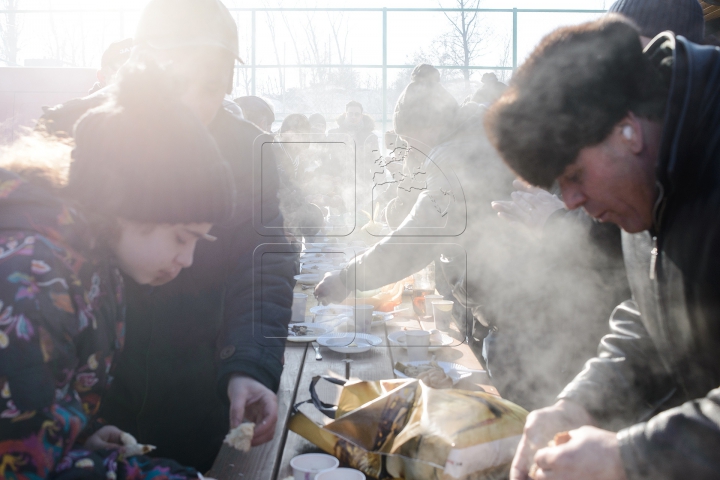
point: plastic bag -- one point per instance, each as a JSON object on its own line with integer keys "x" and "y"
{"x": 405, "y": 429}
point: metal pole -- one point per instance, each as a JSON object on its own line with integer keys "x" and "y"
{"x": 252, "y": 60}
{"x": 384, "y": 87}
{"x": 514, "y": 39}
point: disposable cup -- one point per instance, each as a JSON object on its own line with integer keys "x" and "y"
{"x": 428, "y": 303}
{"x": 298, "y": 307}
{"x": 363, "y": 318}
{"x": 309, "y": 465}
{"x": 442, "y": 314}
{"x": 418, "y": 343}
{"x": 341, "y": 474}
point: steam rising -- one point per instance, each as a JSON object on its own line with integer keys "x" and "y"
{"x": 549, "y": 294}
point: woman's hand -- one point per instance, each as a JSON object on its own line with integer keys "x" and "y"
{"x": 107, "y": 438}
{"x": 332, "y": 288}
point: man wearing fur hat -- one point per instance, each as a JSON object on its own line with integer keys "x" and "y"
{"x": 633, "y": 141}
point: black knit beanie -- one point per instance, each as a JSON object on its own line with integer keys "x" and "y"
{"x": 146, "y": 157}
{"x": 424, "y": 103}
{"x": 683, "y": 17}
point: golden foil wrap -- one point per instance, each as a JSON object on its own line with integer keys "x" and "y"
{"x": 405, "y": 429}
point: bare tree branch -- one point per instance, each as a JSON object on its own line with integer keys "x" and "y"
{"x": 271, "y": 27}
{"x": 466, "y": 39}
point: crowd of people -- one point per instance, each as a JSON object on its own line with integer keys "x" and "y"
{"x": 586, "y": 189}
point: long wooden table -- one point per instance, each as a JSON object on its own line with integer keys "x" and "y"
{"x": 271, "y": 461}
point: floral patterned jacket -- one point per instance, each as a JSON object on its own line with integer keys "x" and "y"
{"x": 61, "y": 323}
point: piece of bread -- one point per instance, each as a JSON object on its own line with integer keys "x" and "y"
{"x": 560, "y": 438}
{"x": 132, "y": 447}
{"x": 240, "y": 437}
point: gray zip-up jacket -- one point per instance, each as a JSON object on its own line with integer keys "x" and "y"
{"x": 663, "y": 353}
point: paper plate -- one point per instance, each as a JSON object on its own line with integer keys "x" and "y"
{"x": 382, "y": 317}
{"x": 349, "y": 342}
{"x": 319, "y": 268}
{"x": 334, "y": 247}
{"x": 313, "y": 257}
{"x": 455, "y": 371}
{"x": 396, "y": 339}
{"x": 309, "y": 278}
{"x": 332, "y": 310}
{"x": 315, "y": 330}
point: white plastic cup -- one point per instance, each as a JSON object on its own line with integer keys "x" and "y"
{"x": 309, "y": 465}
{"x": 363, "y": 318}
{"x": 428, "y": 303}
{"x": 442, "y": 314}
{"x": 418, "y": 343}
{"x": 298, "y": 307}
{"x": 341, "y": 474}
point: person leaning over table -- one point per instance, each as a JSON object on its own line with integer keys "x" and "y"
{"x": 633, "y": 141}
{"x": 539, "y": 209}
{"x": 145, "y": 184}
{"x": 444, "y": 214}
{"x": 536, "y": 207}
{"x": 201, "y": 329}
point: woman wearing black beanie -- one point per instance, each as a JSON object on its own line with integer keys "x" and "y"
{"x": 145, "y": 183}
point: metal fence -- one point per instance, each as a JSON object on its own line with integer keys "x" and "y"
{"x": 253, "y": 65}
{"x": 121, "y": 17}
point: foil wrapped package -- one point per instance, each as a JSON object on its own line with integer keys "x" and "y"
{"x": 404, "y": 429}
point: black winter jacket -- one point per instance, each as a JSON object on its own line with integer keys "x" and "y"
{"x": 664, "y": 349}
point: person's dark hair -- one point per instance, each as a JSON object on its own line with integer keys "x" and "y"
{"x": 489, "y": 78}
{"x": 424, "y": 103}
{"x": 490, "y": 91}
{"x": 296, "y": 123}
{"x": 144, "y": 156}
{"x": 575, "y": 87}
{"x": 255, "y": 109}
{"x": 353, "y": 103}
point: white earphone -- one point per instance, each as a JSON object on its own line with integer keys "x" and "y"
{"x": 627, "y": 132}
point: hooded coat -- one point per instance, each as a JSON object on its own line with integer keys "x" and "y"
{"x": 192, "y": 334}
{"x": 660, "y": 365}
{"x": 62, "y": 322}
